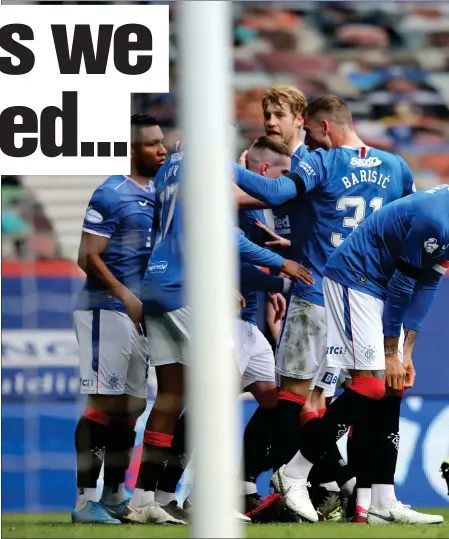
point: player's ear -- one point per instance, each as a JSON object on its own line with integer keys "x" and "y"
{"x": 264, "y": 168}
{"x": 324, "y": 126}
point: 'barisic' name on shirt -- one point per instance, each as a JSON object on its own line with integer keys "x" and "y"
{"x": 362, "y": 176}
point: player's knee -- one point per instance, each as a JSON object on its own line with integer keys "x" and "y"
{"x": 300, "y": 388}
{"x": 135, "y": 407}
{"x": 371, "y": 387}
{"x": 108, "y": 404}
{"x": 265, "y": 394}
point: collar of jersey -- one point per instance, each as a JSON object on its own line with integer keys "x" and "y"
{"x": 143, "y": 187}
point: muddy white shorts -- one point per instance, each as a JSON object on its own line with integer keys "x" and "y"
{"x": 302, "y": 343}
{"x": 255, "y": 356}
{"x": 113, "y": 356}
{"x": 355, "y": 337}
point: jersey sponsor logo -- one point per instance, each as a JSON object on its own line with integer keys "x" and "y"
{"x": 282, "y": 225}
{"x": 367, "y": 162}
{"x": 431, "y": 245}
{"x": 329, "y": 378}
{"x": 307, "y": 168}
{"x": 157, "y": 267}
{"x": 176, "y": 157}
{"x": 87, "y": 382}
{"x": 336, "y": 350}
{"x": 93, "y": 216}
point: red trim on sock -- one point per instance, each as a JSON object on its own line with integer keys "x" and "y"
{"x": 285, "y": 395}
{"x": 350, "y": 431}
{"x": 96, "y": 416}
{"x": 371, "y": 387}
{"x": 157, "y": 438}
{"x": 306, "y": 417}
{"x": 321, "y": 412}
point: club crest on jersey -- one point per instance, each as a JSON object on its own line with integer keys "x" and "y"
{"x": 431, "y": 245}
{"x": 366, "y": 162}
{"x": 370, "y": 353}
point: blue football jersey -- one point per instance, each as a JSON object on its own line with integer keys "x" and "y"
{"x": 342, "y": 188}
{"x": 334, "y": 191}
{"x": 164, "y": 276}
{"x": 414, "y": 230}
{"x": 122, "y": 211}
{"x": 247, "y": 224}
{"x": 282, "y": 213}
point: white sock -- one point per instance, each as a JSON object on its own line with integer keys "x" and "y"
{"x": 248, "y": 487}
{"x": 85, "y": 495}
{"x": 383, "y": 496}
{"x": 114, "y": 495}
{"x": 299, "y": 467}
{"x": 364, "y": 498}
{"x": 164, "y": 498}
{"x": 141, "y": 497}
{"x": 331, "y": 486}
{"x": 348, "y": 488}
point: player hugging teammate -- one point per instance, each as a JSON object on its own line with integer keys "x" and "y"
{"x": 355, "y": 264}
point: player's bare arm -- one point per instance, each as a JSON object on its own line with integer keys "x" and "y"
{"x": 409, "y": 343}
{"x": 394, "y": 370}
{"x": 90, "y": 261}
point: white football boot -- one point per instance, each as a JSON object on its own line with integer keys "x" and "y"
{"x": 151, "y": 513}
{"x": 399, "y": 513}
{"x": 295, "y": 494}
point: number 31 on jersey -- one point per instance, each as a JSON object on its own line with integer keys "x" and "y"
{"x": 359, "y": 205}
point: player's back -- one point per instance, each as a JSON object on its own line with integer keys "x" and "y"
{"x": 122, "y": 211}
{"x": 343, "y": 187}
{"x": 368, "y": 258}
{"x": 164, "y": 276}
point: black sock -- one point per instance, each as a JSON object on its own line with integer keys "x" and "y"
{"x": 286, "y": 432}
{"x": 118, "y": 454}
{"x": 386, "y": 426}
{"x": 319, "y": 435}
{"x": 363, "y": 451}
{"x": 155, "y": 455}
{"x": 257, "y": 439}
{"x": 178, "y": 459}
{"x": 90, "y": 442}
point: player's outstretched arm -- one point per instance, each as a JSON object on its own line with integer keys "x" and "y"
{"x": 254, "y": 279}
{"x": 272, "y": 192}
{"x": 250, "y": 252}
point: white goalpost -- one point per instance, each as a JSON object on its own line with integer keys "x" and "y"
{"x": 205, "y": 55}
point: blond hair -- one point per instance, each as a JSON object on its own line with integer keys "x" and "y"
{"x": 281, "y": 95}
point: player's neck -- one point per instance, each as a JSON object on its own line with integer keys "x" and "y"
{"x": 294, "y": 143}
{"x": 349, "y": 139}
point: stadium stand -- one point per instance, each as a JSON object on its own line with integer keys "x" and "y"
{"x": 389, "y": 60}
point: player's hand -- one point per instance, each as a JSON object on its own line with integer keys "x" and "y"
{"x": 242, "y": 159}
{"x": 279, "y": 305}
{"x": 410, "y": 373}
{"x": 297, "y": 271}
{"x": 241, "y": 302}
{"x": 278, "y": 241}
{"x": 133, "y": 307}
{"x": 395, "y": 372}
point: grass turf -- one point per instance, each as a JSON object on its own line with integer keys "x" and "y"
{"x": 58, "y": 525}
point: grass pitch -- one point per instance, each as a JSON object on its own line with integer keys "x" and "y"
{"x": 57, "y": 525}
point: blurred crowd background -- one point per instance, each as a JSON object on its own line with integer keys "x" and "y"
{"x": 388, "y": 59}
